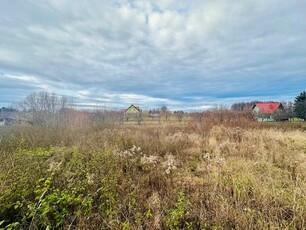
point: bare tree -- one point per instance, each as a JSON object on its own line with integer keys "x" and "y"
{"x": 165, "y": 111}
{"x": 179, "y": 115}
{"x": 107, "y": 116}
{"x": 42, "y": 108}
{"x": 198, "y": 116}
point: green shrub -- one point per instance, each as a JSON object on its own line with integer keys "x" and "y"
{"x": 176, "y": 216}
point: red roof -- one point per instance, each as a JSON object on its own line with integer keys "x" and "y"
{"x": 269, "y": 107}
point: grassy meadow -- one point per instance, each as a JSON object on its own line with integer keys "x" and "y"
{"x": 214, "y": 172}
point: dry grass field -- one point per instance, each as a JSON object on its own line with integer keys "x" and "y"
{"x": 207, "y": 173}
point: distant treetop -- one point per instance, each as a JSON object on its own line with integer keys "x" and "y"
{"x": 7, "y": 109}
{"x": 300, "y": 105}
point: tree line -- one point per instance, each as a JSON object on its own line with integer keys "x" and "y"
{"x": 49, "y": 108}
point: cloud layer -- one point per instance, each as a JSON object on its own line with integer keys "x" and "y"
{"x": 183, "y": 54}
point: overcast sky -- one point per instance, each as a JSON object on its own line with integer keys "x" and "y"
{"x": 182, "y": 54}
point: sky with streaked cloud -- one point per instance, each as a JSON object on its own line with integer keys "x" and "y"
{"x": 182, "y": 54}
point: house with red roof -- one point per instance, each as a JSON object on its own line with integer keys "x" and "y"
{"x": 265, "y": 111}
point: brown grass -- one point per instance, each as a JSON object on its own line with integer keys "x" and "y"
{"x": 215, "y": 172}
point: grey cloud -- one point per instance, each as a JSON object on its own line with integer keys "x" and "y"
{"x": 158, "y": 51}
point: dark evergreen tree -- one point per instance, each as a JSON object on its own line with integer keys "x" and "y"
{"x": 300, "y": 105}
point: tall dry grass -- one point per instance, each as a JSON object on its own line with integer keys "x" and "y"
{"x": 220, "y": 171}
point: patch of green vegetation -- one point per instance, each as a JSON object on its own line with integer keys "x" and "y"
{"x": 176, "y": 216}
{"x": 37, "y": 152}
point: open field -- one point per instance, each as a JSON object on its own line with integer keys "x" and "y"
{"x": 201, "y": 174}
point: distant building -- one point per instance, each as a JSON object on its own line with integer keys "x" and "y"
{"x": 133, "y": 109}
{"x": 266, "y": 111}
{"x": 132, "y": 112}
